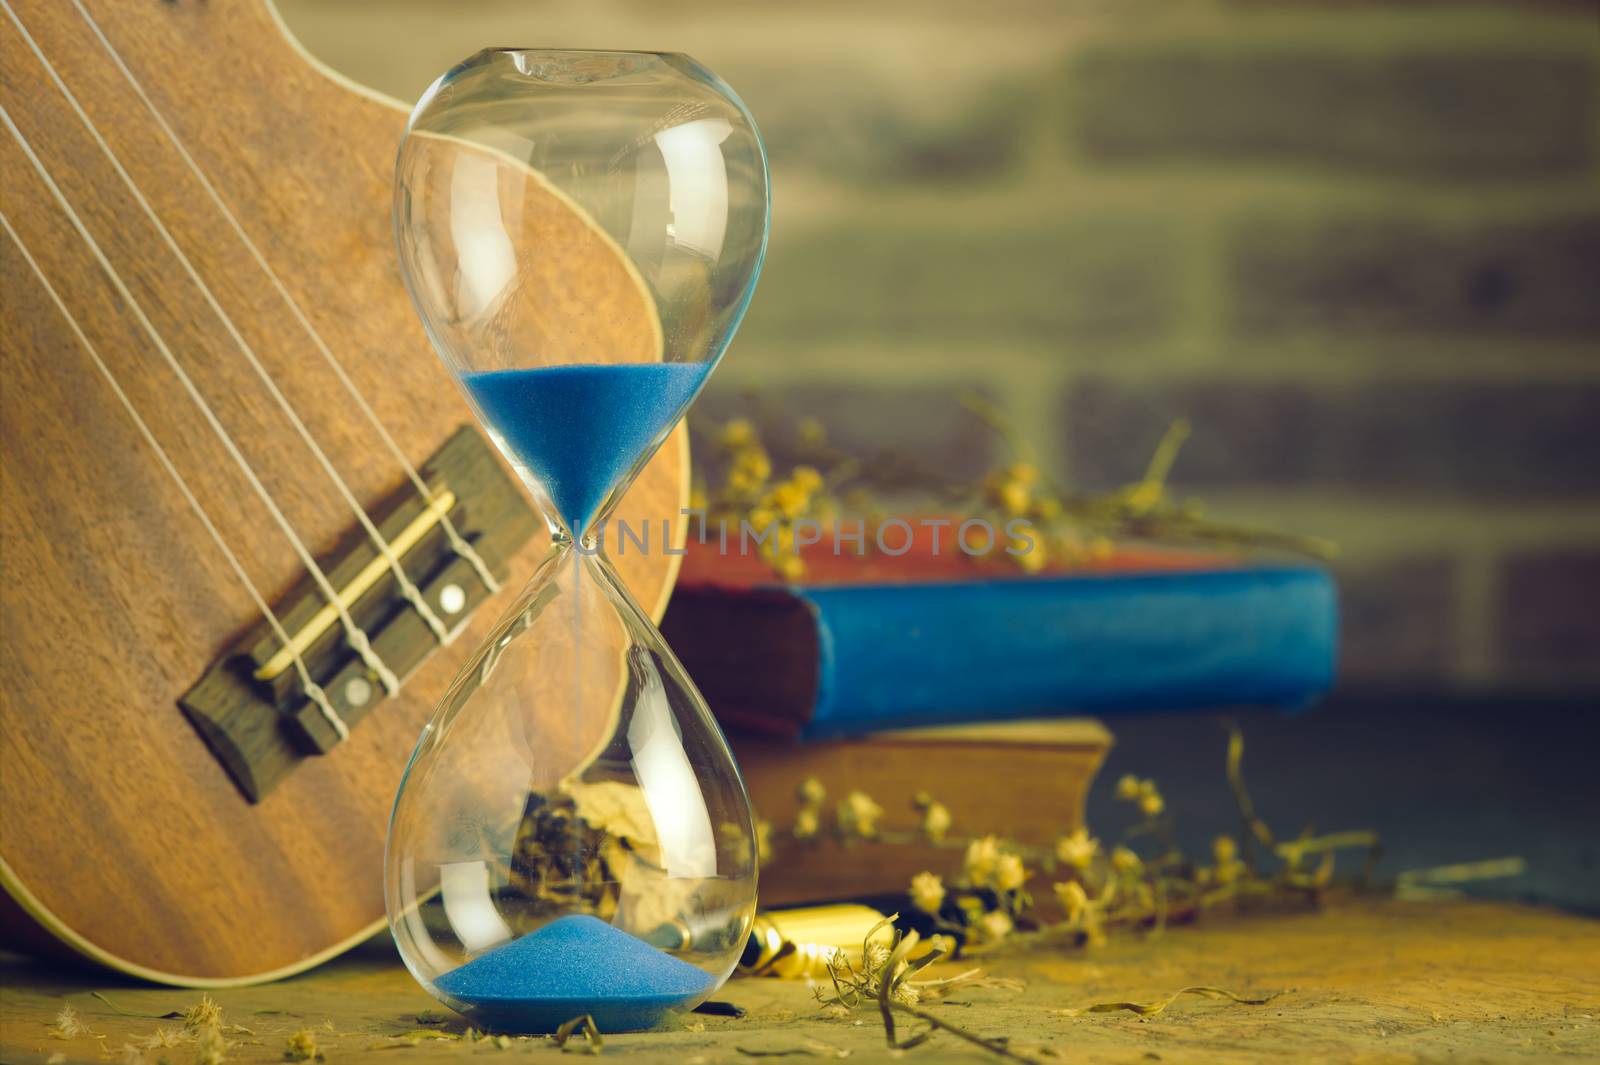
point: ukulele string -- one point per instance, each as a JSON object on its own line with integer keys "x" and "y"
{"x": 312, "y": 689}
{"x": 458, "y": 543}
{"x": 407, "y": 589}
{"x": 353, "y": 633}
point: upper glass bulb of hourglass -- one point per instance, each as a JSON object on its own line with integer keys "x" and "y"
{"x": 581, "y": 233}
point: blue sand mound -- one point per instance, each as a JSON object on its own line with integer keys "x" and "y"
{"x": 572, "y": 966}
{"x": 580, "y": 428}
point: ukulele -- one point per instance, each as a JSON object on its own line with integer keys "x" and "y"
{"x": 247, "y": 535}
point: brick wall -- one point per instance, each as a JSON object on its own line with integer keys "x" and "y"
{"x": 1358, "y": 244}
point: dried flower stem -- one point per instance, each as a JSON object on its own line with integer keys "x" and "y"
{"x": 1255, "y": 830}
{"x": 994, "y": 1046}
{"x": 896, "y": 970}
{"x": 170, "y": 1015}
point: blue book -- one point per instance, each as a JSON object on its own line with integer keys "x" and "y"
{"x": 844, "y": 654}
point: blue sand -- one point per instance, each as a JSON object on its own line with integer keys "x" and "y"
{"x": 580, "y": 428}
{"x": 572, "y": 966}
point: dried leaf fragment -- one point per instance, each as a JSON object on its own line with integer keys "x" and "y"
{"x": 302, "y": 1046}
{"x": 584, "y": 1026}
{"x": 210, "y": 1046}
{"x": 68, "y": 1025}
{"x": 1147, "y": 1009}
{"x": 811, "y": 1048}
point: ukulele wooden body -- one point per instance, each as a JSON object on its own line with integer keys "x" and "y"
{"x": 121, "y": 834}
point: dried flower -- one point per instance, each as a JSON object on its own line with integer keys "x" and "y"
{"x": 755, "y": 462}
{"x": 1071, "y": 530}
{"x": 165, "y": 1039}
{"x": 1011, "y": 488}
{"x": 1012, "y": 497}
{"x": 806, "y": 477}
{"x": 810, "y": 433}
{"x": 1227, "y": 873}
{"x": 1078, "y": 849}
{"x": 748, "y": 473}
{"x": 1074, "y": 900}
{"x": 1128, "y": 788}
{"x": 67, "y": 1025}
{"x": 205, "y": 1013}
{"x": 936, "y": 821}
{"x": 807, "y": 823}
{"x": 210, "y": 1047}
{"x": 927, "y": 892}
{"x": 787, "y": 565}
{"x": 130, "y": 1055}
{"x": 858, "y": 815}
{"x": 992, "y": 927}
{"x": 738, "y": 433}
{"x": 302, "y": 1046}
{"x": 874, "y": 954}
{"x": 1226, "y": 853}
{"x": 760, "y": 519}
{"x": 790, "y": 499}
{"x": 980, "y": 861}
{"x": 1125, "y": 861}
{"x": 1009, "y": 875}
{"x": 989, "y": 864}
{"x": 1030, "y": 556}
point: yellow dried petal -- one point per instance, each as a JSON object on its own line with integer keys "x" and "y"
{"x": 927, "y": 892}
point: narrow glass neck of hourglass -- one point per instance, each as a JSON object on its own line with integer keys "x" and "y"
{"x": 588, "y": 536}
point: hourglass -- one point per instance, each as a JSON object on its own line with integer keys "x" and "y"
{"x": 581, "y": 233}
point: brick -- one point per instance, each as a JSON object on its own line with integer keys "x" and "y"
{"x": 1397, "y": 623}
{"x": 1521, "y": 7}
{"x": 983, "y": 140}
{"x": 852, "y": 127}
{"x": 1547, "y": 617}
{"x": 1102, "y": 278}
{"x": 1443, "y": 439}
{"x": 1531, "y": 279}
{"x": 1475, "y": 113}
{"x": 926, "y": 425}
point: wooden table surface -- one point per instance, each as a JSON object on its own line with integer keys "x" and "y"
{"x": 1368, "y": 981}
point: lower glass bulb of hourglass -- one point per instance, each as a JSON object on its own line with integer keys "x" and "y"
{"x": 571, "y": 835}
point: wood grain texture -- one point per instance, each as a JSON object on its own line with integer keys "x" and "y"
{"x": 1367, "y": 981}
{"x": 114, "y": 817}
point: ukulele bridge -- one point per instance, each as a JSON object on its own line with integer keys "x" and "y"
{"x": 251, "y": 706}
